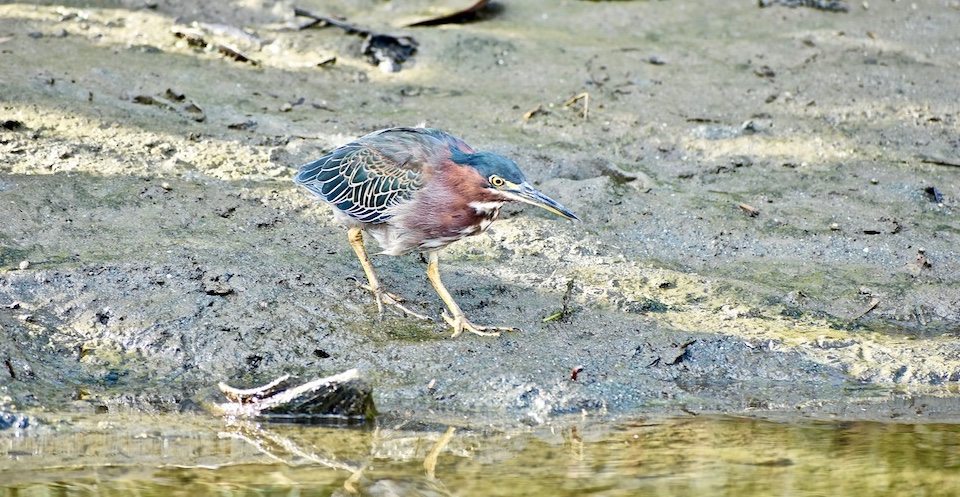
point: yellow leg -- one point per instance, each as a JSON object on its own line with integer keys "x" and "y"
{"x": 355, "y": 236}
{"x": 458, "y": 320}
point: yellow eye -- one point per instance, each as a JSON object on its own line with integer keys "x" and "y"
{"x": 496, "y": 181}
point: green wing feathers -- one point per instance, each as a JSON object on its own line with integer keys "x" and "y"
{"x": 361, "y": 181}
{"x": 369, "y": 176}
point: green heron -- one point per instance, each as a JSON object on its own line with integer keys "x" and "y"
{"x": 418, "y": 189}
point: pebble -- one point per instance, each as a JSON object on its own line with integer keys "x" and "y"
{"x": 24, "y": 265}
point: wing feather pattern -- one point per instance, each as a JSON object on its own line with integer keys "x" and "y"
{"x": 369, "y": 176}
{"x": 360, "y": 181}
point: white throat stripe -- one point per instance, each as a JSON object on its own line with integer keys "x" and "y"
{"x": 485, "y": 207}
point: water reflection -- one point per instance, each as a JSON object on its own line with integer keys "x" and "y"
{"x": 691, "y": 456}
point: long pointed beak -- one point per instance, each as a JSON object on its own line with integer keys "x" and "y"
{"x": 530, "y": 195}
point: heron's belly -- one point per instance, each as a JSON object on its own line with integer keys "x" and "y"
{"x": 403, "y": 234}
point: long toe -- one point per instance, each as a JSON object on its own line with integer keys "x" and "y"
{"x": 384, "y": 297}
{"x": 393, "y": 300}
{"x": 461, "y": 324}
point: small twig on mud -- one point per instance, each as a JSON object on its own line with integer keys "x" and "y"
{"x": 937, "y": 161}
{"x": 552, "y": 317}
{"x": 331, "y": 21}
{"x": 586, "y": 102}
{"x": 871, "y": 306}
{"x": 536, "y": 111}
{"x": 565, "y": 304}
{"x": 327, "y": 61}
{"x": 749, "y": 210}
{"x": 251, "y": 395}
{"x": 575, "y": 372}
{"x": 671, "y": 355}
{"x": 827, "y": 5}
{"x": 467, "y": 14}
{"x": 235, "y": 54}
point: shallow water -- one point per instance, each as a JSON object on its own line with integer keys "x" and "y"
{"x": 185, "y": 455}
{"x": 826, "y": 122}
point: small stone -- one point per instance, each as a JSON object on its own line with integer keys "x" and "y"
{"x": 11, "y": 125}
{"x": 765, "y": 72}
{"x": 24, "y": 265}
{"x": 214, "y": 286}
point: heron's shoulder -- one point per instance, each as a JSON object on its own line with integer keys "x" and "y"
{"x": 414, "y": 142}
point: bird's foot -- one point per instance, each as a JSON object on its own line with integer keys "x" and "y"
{"x": 461, "y": 324}
{"x": 384, "y": 297}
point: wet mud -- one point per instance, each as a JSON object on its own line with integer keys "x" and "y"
{"x": 768, "y": 199}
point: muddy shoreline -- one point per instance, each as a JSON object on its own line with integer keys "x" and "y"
{"x": 769, "y": 220}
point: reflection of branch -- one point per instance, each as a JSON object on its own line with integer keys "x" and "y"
{"x": 270, "y": 444}
{"x": 430, "y": 462}
{"x": 285, "y": 450}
